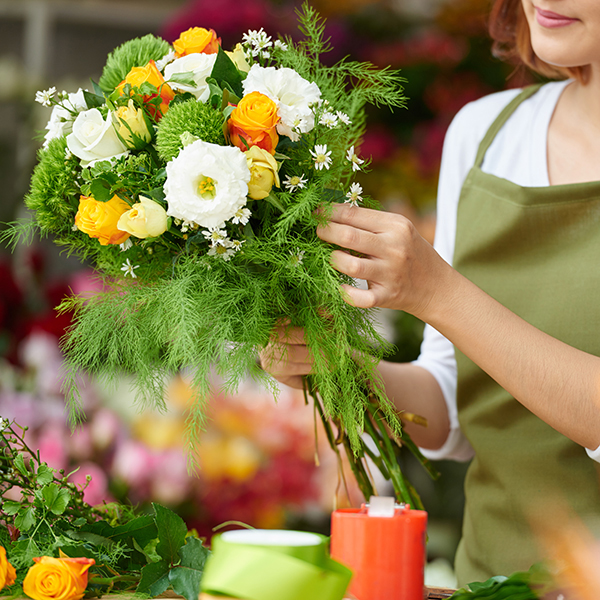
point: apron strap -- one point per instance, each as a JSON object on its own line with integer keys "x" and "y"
{"x": 501, "y": 119}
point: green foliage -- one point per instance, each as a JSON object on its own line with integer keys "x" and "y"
{"x": 53, "y": 193}
{"x": 195, "y": 118}
{"x": 133, "y": 53}
{"x": 149, "y": 552}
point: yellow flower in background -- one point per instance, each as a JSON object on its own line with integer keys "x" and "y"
{"x": 99, "y": 219}
{"x": 131, "y": 122}
{"x": 145, "y": 219}
{"x": 197, "y": 40}
{"x": 234, "y": 457}
{"x": 7, "y": 571}
{"x": 238, "y": 58}
{"x": 57, "y": 578}
{"x": 263, "y": 172}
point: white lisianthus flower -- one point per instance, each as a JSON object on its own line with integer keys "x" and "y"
{"x": 95, "y": 138}
{"x": 199, "y": 66}
{"x": 207, "y": 184}
{"x": 354, "y": 196}
{"x": 63, "y": 115}
{"x": 292, "y": 94}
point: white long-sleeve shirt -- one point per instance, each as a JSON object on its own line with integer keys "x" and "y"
{"x": 518, "y": 153}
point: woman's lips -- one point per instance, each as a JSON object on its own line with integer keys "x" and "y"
{"x": 547, "y": 18}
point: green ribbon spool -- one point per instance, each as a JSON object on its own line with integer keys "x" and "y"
{"x": 257, "y": 564}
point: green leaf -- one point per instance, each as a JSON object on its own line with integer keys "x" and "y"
{"x": 45, "y": 474}
{"x": 224, "y": 71}
{"x": 186, "y": 78}
{"x": 194, "y": 554}
{"x": 93, "y": 100}
{"x": 155, "y": 578}
{"x": 171, "y": 533}
{"x": 55, "y": 498}
{"x": 11, "y": 507}
{"x": 25, "y": 519}
{"x": 90, "y": 538}
{"x": 186, "y": 577}
{"x": 141, "y": 529}
{"x": 20, "y": 465}
{"x": 147, "y": 89}
{"x": 100, "y": 189}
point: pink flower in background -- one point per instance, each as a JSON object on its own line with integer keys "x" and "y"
{"x": 133, "y": 463}
{"x": 52, "y": 445}
{"x": 96, "y": 490}
{"x": 80, "y": 443}
{"x": 105, "y": 428}
{"x": 85, "y": 283}
{"x": 171, "y": 482}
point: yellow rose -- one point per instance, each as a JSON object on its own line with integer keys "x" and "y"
{"x": 238, "y": 58}
{"x": 99, "y": 219}
{"x": 255, "y": 120}
{"x": 132, "y": 122}
{"x": 263, "y": 172}
{"x": 152, "y": 75}
{"x": 197, "y": 40}
{"x": 145, "y": 219}
{"x": 7, "y": 571}
{"x": 57, "y": 578}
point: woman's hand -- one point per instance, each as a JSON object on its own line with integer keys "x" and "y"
{"x": 402, "y": 269}
{"x": 287, "y": 357}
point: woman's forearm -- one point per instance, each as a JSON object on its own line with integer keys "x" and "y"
{"x": 557, "y": 382}
{"x": 414, "y": 389}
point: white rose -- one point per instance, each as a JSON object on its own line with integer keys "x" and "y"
{"x": 206, "y": 183}
{"x": 63, "y": 115}
{"x": 199, "y": 66}
{"x": 95, "y": 138}
{"x": 292, "y": 94}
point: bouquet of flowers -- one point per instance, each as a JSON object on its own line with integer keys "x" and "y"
{"x": 194, "y": 178}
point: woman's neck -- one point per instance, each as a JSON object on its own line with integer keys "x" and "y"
{"x": 573, "y": 150}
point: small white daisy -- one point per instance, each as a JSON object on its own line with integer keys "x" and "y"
{"x": 129, "y": 269}
{"x": 281, "y": 45}
{"x": 296, "y": 257}
{"x": 353, "y": 158}
{"x": 223, "y": 252}
{"x": 126, "y": 245}
{"x": 321, "y": 156}
{"x": 68, "y": 154}
{"x": 329, "y": 119}
{"x": 216, "y": 236}
{"x": 259, "y": 41}
{"x": 241, "y": 216}
{"x": 237, "y": 244}
{"x": 295, "y": 182}
{"x": 45, "y": 97}
{"x": 354, "y": 196}
{"x": 343, "y": 117}
{"x": 74, "y": 227}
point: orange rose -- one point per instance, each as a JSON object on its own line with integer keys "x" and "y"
{"x": 7, "y": 571}
{"x": 150, "y": 74}
{"x": 197, "y": 40}
{"x": 99, "y": 219}
{"x": 57, "y": 578}
{"x": 254, "y": 119}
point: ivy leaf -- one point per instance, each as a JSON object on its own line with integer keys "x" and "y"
{"x": 186, "y": 577}
{"x": 25, "y": 519}
{"x": 45, "y": 474}
{"x": 155, "y": 578}
{"x": 171, "y": 533}
{"x": 93, "y": 100}
{"x": 100, "y": 189}
{"x": 20, "y": 465}
{"x": 55, "y": 498}
{"x": 186, "y": 78}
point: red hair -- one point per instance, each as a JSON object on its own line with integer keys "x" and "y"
{"x": 512, "y": 41}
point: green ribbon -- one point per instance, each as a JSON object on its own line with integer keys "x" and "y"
{"x": 266, "y": 572}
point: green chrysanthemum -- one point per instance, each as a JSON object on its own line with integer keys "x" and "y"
{"x": 53, "y": 193}
{"x": 190, "y": 119}
{"x": 134, "y": 53}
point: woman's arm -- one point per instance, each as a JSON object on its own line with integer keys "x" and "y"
{"x": 555, "y": 381}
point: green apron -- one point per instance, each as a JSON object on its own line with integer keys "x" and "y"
{"x": 537, "y": 251}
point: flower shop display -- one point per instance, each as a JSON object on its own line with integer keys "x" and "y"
{"x": 194, "y": 179}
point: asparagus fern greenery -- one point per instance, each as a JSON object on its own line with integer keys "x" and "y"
{"x": 193, "y": 178}
{"x": 132, "y": 551}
